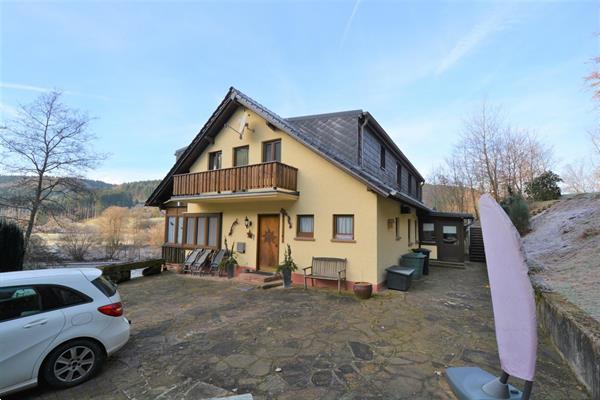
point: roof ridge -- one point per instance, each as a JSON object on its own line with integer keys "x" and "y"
{"x": 325, "y": 115}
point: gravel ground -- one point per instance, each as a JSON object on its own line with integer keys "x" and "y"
{"x": 563, "y": 248}
{"x": 194, "y": 338}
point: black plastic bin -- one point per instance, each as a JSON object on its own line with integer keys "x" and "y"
{"x": 425, "y": 252}
{"x": 399, "y": 278}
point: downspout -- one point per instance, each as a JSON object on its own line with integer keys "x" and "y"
{"x": 360, "y": 139}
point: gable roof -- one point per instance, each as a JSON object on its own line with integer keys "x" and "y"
{"x": 329, "y": 135}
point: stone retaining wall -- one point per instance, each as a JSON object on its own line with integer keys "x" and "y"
{"x": 577, "y": 336}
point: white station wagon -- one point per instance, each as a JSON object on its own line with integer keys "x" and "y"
{"x": 57, "y": 326}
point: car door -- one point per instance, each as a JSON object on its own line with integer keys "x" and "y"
{"x": 26, "y": 331}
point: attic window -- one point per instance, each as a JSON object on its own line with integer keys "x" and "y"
{"x": 382, "y": 156}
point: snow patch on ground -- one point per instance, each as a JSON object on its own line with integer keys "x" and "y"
{"x": 563, "y": 250}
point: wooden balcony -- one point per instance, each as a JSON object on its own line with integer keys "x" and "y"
{"x": 237, "y": 179}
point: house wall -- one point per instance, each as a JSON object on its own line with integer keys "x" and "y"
{"x": 324, "y": 190}
{"x": 389, "y": 246}
{"x": 371, "y": 152}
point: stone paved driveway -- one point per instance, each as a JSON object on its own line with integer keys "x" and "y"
{"x": 194, "y": 338}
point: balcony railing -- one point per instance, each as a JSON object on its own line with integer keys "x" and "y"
{"x": 256, "y": 176}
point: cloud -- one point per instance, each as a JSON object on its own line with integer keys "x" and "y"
{"x": 7, "y": 110}
{"x": 494, "y": 23}
{"x": 40, "y": 89}
{"x": 349, "y": 23}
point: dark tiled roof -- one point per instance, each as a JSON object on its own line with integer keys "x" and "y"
{"x": 332, "y": 135}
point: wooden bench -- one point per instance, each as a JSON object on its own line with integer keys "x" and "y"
{"x": 328, "y": 268}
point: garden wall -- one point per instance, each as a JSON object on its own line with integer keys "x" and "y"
{"x": 577, "y": 336}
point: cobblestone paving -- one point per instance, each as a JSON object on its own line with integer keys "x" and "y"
{"x": 195, "y": 338}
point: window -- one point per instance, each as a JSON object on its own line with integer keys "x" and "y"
{"x": 171, "y": 230}
{"x": 240, "y": 156}
{"x": 214, "y": 160}
{"x": 272, "y": 151}
{"x": 213, "y": 230}
{"x": 207, "y": 230}
{"x": 408, "y": 225}
{"x": 305, "y": 226}
{"x": 343, "y": 227}
{"x": 411, "y": 184}
{"x": 189, "y": 232}
{"x": 54, "y": 297}
{"x": 382, "y": 156}
{"x": 180, "y": 230}
{"x": 450, "y": 234}
{"x": 416, "y": 232}
{"x": 428, "y": 232}
{"x": 201, "y": 238}
{"x": 399, "y": 174}
{"x": 19, "y": 301}
{"x": 398, "y": 236}
{"x": 105, "y": 286}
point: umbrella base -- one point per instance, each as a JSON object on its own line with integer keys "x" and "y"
{"x": 472, "y": 383}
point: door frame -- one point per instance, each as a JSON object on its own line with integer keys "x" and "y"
{"x": 259, "y": 216}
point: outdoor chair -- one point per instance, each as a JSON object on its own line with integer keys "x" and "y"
{"x": 201, "y": 261}
{"x": 213, "y": 268}
{"x": 187, "y": 265}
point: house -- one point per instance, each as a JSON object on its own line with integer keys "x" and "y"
{"x": 329, "y": 185}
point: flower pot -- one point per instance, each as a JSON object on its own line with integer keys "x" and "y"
{"x": 230, "y": 271}
{"x": 363, "y": 290}
{"x": 287, "y": 278}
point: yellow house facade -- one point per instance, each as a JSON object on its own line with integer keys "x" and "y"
{"x": 328, "y": 185}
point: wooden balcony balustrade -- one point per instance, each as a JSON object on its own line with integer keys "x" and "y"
{"x": 256, "y": 176}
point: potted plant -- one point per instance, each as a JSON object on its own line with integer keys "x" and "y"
{"x": 229, "y": 261}
{"x": 287, "y": 267}
{"x": 363, "y": 290}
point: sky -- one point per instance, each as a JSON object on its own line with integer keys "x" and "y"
{"x": 152, "y": 72}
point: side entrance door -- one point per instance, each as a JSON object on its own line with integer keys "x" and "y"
{"x": 268, "y": 242}
{"x": 451, "y": 244}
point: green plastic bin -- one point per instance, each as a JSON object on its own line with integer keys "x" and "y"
{"x": 414, "y": 260}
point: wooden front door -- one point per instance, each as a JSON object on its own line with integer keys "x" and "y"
{"x": 268, "y": 242}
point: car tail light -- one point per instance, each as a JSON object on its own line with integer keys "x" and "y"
{"x": 112, "y": 310}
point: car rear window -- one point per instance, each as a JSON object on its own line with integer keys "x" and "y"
{"x": 105, "y": 286}
{"x": 19, "y": 301}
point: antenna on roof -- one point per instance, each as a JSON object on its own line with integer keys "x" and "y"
{"x": 243, "y": 125}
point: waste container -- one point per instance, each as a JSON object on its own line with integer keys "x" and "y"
{"x": 399, "y": 278}
{"x": 413, "y": 260}
{"x": 426, "y": 263}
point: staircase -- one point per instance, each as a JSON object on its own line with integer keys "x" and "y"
{"x": 476, "y": 250}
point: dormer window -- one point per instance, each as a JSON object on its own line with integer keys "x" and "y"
{"x": 382, "y": 156}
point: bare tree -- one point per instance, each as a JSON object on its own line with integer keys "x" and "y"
{"x": 77, "y": 240}
{"x": 113, "y": 226}
{"x": 491, "y": 156}
{"x": 48, "y": 146}
{"x": 578, "y": 177}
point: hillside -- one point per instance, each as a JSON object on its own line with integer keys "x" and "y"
{"x": 101, "y": 195}
{"x": 564, "y": 252}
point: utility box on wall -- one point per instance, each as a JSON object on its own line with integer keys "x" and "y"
{"x": 240, "y": 247}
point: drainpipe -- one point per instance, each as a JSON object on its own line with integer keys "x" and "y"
{"x": 360, "y": 139}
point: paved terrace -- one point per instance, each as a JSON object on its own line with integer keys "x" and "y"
{"x": 194, "y": 338}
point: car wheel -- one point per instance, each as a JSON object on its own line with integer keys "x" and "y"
{"x": 72, "y": 363}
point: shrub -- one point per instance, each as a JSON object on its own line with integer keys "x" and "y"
{"x": 12, "y": 246}
{"x": 544, "y": 187}
{"x": 517, "y": 209}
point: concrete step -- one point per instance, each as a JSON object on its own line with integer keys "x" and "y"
{"x": 258, "y": 278}
{"x": 271, "y": 284}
